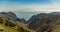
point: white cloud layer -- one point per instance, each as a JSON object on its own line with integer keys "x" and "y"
{"x": 55, "y": 6}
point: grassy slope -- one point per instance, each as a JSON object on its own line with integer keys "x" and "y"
{"x": 7, "y": 29}
{"x": 10, "y": 26}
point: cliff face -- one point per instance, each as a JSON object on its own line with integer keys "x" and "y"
{"x": 45, "y": 22}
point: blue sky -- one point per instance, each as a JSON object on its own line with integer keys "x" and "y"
{"x": 29, "y": 5}
{"x": 31, "y": 1}
{"x": 26, "y": 1}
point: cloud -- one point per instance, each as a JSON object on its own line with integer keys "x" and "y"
{"x": 29, "y": 8}
{"x": 8, "y": 6}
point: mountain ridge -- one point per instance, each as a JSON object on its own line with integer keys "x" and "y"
{"x": 45, "y": 22}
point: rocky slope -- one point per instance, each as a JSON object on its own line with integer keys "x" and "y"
{"x": 10, "y": 16}
{"x": 44, "y": 22}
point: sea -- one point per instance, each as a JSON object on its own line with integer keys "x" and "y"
{"x": 25, "y": 15}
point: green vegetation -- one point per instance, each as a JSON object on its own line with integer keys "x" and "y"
{"x": 20, "y": 29}
{"x": 8, "y": 23}
{"x": 8, "y": 26}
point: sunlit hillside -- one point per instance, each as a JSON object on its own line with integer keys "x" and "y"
{"x": 9, "y": 26}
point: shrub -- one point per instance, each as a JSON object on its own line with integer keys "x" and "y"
{"x": 9, "y": 24}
